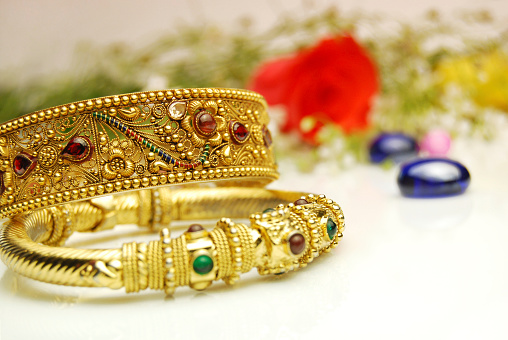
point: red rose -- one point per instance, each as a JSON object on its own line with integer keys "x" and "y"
{"x": 334, "y": 82}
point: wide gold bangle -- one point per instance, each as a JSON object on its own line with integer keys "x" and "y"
{"x": 281, "y": 237}
{"x": 127, "y": 142}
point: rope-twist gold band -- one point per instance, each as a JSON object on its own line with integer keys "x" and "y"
{"x": 224, "y": 252}
{"x": 247, "y": 247}
{"x": 155, "y": 266}
{"x": 130, "y": 268}
{"x": 181, "y": 261}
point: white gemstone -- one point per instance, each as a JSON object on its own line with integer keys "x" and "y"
{"x": 168, "y": 250}
{"x": 169, "y": 275}
{"x": 169, "y": 262}
{"x": 233, "y": 230}
{"x": 177, "y": 110}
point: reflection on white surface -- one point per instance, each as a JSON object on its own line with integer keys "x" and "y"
{"x": 438, "y": 171}
{"x": 438, "y": 213}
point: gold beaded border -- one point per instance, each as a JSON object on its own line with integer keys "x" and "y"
{"x": 233, "y": 236}
{"x": 127, "y": 99}
{"x": 247, "y": 247}
{"x": 137, "y": 183}
{"x": 181, "y": 260}
{"x": 169, "y": 262}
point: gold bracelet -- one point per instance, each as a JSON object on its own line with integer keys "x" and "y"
{"x": 281, "y": 237}
{"x": 140, "y": 140}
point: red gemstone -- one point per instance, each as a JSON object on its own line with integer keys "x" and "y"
{"x": 301, "y": 201}
{"x": 297, "y": 243}
{"x": 23, "y": 163}
{"x": 195, "y": 227}
{"x": 78, "y": 148}
{"x": 267, "y": 136}
{"x": 205, "y": 123}
{"x": 239, "y": 132}
{"x": 2, "y": 185}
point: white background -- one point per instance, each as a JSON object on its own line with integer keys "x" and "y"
{"x": 406, "y": 269}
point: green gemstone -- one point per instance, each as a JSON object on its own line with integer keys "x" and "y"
{"x": 331, "y": 228}
{"x": 203, "y": 264}
{"x": 269, "y": 210}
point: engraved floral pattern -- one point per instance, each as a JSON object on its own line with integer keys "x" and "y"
{"x": 196, "y": 107}
{"x": 118, "y": 165}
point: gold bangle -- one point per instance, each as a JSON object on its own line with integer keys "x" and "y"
{"x": 140, "y": 140}
{"x": 279, "y": 239}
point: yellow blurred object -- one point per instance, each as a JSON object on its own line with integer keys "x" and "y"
{"x": 484, "y": 77}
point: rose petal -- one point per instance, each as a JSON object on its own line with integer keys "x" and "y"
{"x": 334, "y": 82}
{"x": 272, "y": 80}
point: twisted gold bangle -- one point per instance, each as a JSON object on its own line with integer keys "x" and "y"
{"x": 140, "y": 140}
{"x": 279, "y": 239}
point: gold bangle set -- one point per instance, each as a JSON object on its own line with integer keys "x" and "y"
{"x": 149, "y": 158}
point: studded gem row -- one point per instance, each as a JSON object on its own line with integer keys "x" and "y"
{"x": 149, "y": 145}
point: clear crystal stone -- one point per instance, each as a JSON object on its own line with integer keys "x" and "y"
{"x": 177, "y": 110}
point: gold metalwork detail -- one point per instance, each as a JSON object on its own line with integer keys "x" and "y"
{"x": 128, "y": 142}
{"x": 117, "y": 166}
{"x": 29, "y": 242}
{"x": 220, "y": 240}
{"x": 155, "y": 266}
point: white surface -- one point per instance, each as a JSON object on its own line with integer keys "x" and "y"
{"x": 406, "y": 269}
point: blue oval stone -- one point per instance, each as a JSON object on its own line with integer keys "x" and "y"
{"x": 395, "y": 146}
{"x": 433, "y": 177}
